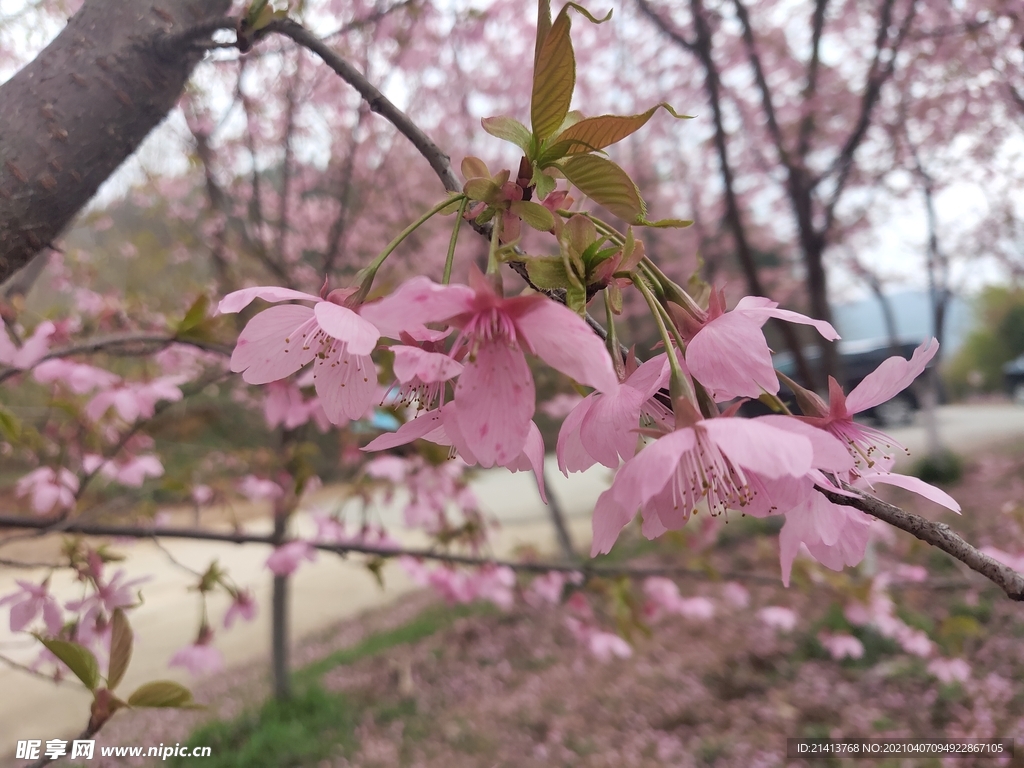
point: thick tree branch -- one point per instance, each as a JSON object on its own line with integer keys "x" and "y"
{"x": 82, "y": 106}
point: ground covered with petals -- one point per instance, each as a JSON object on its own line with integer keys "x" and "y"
{"x": 425, "y": 685}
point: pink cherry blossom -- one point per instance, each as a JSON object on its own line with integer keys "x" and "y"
{"x": 132, "y": 401}
{"x": 443, "y": 427}
{"x": 282, "y": 339}
{"x": 736, "y": 594}
{"x": 602, "y": 428}
{"x": 199, "y": 659}
{"x": 950, "y": 670}
{"x": 242, "y": 606}
{"x": 842, "y": 646}
{"x": 546, "y": 589}
{"x": 32, "y": 351}
{"x": 78, "y": 377}
{"x": 30, "y": 601}
{"x": 49, "y": 489}
{"x": 132, "y": 472}
{"x": 605, "y": 646}
{"x": 713, "y": 460}
{"x": 286, "y": 559}
{"x": 777, "y": 617}
{"x": 727, "y": 351}
{"x": 494, "y": 398}
{"x": 663, "y": 597}
{"x": 834, "y": 535}
{"x": 259, "y": 489}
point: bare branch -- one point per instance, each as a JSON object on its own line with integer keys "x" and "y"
{"x": 939, "y": 535}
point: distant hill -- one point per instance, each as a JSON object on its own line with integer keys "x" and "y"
{"x": 863, "y": 320}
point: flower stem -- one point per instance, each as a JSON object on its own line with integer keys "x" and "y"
{"x": 446, "y": 278}
{"x": 366, "y": 275}
{"x": 680, "y": 386}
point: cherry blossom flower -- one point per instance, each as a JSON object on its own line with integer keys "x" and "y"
{"x": 602, "y": 428}
{"x": 49, "y": 489}
{"x": 30, "y": 601}
{"x": 282, "y": 339}
{"x": 950, "y": 670}
{"x": 727, "y": 351}
{"x": 777, "y": 617}
{"x": 132, "y": 401}
{"x": 286, "y": 559}
{"x": 494, "y": 398}
{"x": 132, "y": 472}
{"x": 605, "y": 646}
{"x": 736, "y": 594}
{"x": 663, "y": 597}
{"x": 717, "y": 460}
{"x": 442, "y": 426}
{"x": 842, "y": 646}
{"x": 29, "y": 353}
{"x": 243, "y": 605}
{"x": 199, "y": 659}
{"x": 259, "y": 489}
{"x": 78, "y": 377}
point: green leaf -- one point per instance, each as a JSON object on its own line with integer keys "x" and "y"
{"x": 576, "y": 299}
{"x": 544, "y": 183}
{"x": 484, "y": 190}
{"x": 547, "y": 272}
{"x": 508, "y": 129}
{"x": 594, "y": 133}
{"x": 121, "y": 640}
{"x": 10, "y": 427}
{"x": 554, "y": 79}
{"x": 78, "y": 658}
{"x": 664, "y": 223}
{"x": 164, "y": 694}
{"x": 534, "y": 214}
{"x": 543, "y": 28}
{"x": 195, "y": 315}
{"x": 606, "y": 184}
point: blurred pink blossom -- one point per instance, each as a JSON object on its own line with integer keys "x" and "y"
{"x": 49, "y": 490}
{"x": 777, "y": 617}
{"x": 30, "y": 601}
{"x": 284, "y": 560}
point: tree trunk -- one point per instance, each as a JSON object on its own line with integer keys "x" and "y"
{"x": 75, "y": 113}
{"x": 279, "y": 622}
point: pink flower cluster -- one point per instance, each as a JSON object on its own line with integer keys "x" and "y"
{"x": 677, "y": 457}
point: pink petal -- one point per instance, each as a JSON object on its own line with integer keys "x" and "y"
{"x": 532, "y": 458}
{"x": 345, "y": 325}
{"x": 22, "y": 614}
{"x": 561, "y": 339}
{"x": 416, "y": 302}
{"x": 608, "y": 431}
{"x": 239, "y": 300}
{"x": 495, "y": 400}
{"x": 429, "y": 367}
{"x": 762, "y": 309}
{"x": 760, "y": 447}
{"x": 420, "y": 427}
{"x": 274, "y": 344}
{"x": 915, "y": 485}
{"x": 651, "y": 376}
{"x": 829, "y": 454}
{"x": 346, "y": 385}
{"x": 890, "y": 378}
{"x": 572, "y": 456}
{"x": 730, "y": 357}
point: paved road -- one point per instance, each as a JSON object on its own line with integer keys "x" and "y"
{"x": 332, "y": 589}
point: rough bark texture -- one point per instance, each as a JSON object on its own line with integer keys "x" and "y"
{"x": 75, "y": 113}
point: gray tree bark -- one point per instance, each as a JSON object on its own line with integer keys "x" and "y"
{"x": 70, "y": 117}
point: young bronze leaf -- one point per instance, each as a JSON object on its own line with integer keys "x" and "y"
{"x": 606, "y": 184}
{"x": 79, "y": 660}
{"x": 595, "y": 133}
{"x": 665, "y": 223}
{"x": 508, "y": 129}
{"x": 554, "y": 79}
{"x": 121, "y": 638}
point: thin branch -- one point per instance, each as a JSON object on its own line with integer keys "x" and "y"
{"x": 90, "y": 731}
{"x": 34, "y": 672}
{"x": 238, "y": 537}
{"x": 939, "y": 535}
{"x": 115, "y": 342}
